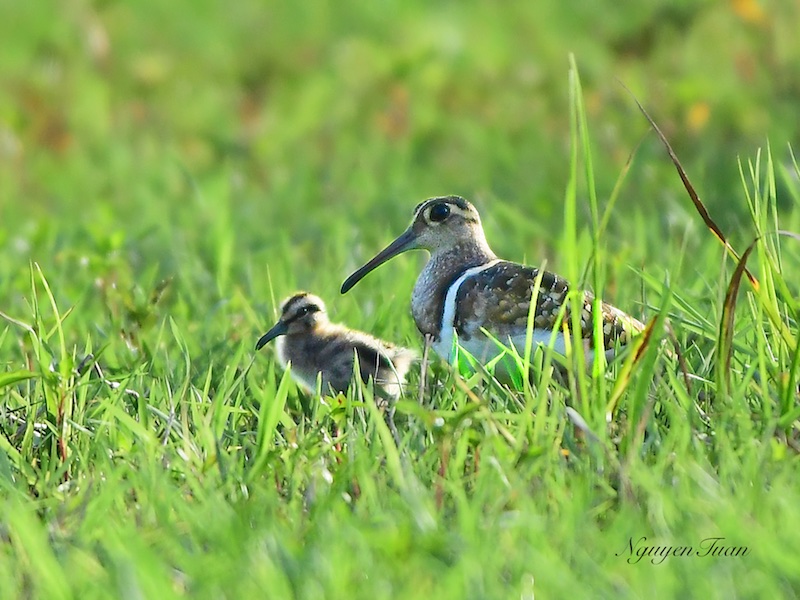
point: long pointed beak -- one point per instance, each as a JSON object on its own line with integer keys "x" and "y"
{"x": 278, "y": 329}
{"x": 404, "y": 242}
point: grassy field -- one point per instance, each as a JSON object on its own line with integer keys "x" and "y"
{"x": 170, "y": 171}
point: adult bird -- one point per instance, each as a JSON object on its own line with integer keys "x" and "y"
{"x": 465, "y": 291}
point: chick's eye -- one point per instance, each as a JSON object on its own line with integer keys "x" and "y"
{"x": 439, "y": 212}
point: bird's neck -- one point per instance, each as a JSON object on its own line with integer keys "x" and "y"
{"x": 451, "y": 261}
{"x": 442, "y": 269}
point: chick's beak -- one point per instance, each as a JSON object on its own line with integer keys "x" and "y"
{"x": 278, "y": 329}
{"x": 406, "y": 241}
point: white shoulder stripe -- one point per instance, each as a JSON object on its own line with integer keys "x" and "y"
{"x": 444, "y": 346}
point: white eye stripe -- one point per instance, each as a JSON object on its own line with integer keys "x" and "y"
{"x": 439, "y": 212}
{"x": 302, "y": 312}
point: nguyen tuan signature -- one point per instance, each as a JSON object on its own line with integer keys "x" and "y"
{"x": 709, "y": 547}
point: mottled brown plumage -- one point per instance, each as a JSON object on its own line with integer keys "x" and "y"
{"x": 499, "y": 299}
{"x": 465, "y": 288}
{"x": 315, "y": 346}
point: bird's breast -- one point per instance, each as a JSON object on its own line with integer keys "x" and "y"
{"x": 281, "y": 351}
{"x": 427, "y": 301}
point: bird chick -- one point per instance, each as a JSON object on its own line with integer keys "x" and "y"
{"x": 316, "y": 347}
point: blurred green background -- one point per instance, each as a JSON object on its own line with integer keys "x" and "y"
{"x": 107, "y": 106}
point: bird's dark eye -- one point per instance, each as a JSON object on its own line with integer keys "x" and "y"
{"x": 439, "y": 212}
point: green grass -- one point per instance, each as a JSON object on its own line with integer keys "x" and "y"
{"x": 170, "y": 171}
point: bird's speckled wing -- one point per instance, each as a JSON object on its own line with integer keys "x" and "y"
{"x": 499, "y": 298}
